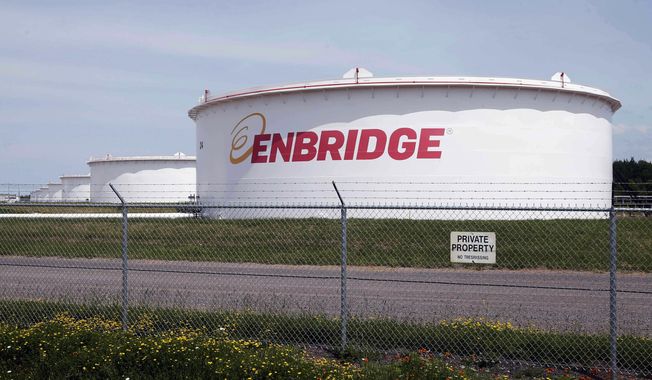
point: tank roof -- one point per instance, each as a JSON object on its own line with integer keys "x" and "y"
{"x": 430, "y": 81}
{"x": 75, "y": 176}
{"x": 110, "y": 158}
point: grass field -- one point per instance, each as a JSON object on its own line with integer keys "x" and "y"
{"x": 553, "y": 244}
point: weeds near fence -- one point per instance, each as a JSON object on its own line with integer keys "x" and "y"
{"x": 65, "y": 347}
{"x": 95, "y": 348}
{"x": 485, "y": 341}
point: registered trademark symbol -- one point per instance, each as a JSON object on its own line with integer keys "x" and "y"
{"x": 449, "y": 131}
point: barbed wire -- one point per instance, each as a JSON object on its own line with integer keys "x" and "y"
{"x": 360, "y": 192}
{"x": 340, "y": 181}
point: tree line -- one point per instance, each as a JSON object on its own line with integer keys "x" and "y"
{"x": 631, "y": 177}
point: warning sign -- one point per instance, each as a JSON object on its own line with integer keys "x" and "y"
{"x": 473, "y": 247}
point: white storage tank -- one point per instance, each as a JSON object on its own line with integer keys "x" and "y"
{"x": 43, "y": 195}
{"x": 35, "y": 195}
{"x": 55, "y": 192}
{"x": 76, "y": 188}
{"x": 143, "y": 179}
{"x": 408, "y": 140}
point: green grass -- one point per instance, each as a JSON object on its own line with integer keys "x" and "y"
{"x": 483, "y": 341}
{"x": 552, "y": 244}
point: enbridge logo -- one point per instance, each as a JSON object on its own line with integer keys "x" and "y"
{"x": 239, "y": 151}
{"x": 330, "y": 145}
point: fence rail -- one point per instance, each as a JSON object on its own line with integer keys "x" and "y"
{"x": 571, "y": 286}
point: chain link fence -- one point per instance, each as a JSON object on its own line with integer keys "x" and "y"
{"x": 339, "y": 277}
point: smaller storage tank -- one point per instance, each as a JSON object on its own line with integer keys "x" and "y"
{"x": 76, "y": 188}
{"x": 35, "y": 195}
{"x": 143, "y": 179}
{"x": 55, "y": 192}
{"x": 43, "y": 195}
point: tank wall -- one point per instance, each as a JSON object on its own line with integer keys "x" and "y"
{"x": 76, "y": 189}
{"x": 55, "y": 192}
{"x": 143, "y": 181}
{"x": 44, "y": 194}
{"x": 499, "y": 146}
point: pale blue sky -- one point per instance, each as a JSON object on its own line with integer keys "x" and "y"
{"x": 82, "y": 78}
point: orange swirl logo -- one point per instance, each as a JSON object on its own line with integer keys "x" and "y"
{"x": 250, "y": 125}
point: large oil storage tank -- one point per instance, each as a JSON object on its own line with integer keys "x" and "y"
{"x": 76, "y": 188}
{"x": 143, "y": 179}
{"x": 409, "y": 140}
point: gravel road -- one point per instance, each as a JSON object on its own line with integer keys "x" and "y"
{"x": 556, "y": 300}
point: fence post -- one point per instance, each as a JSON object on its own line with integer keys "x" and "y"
{"x": 344, "y": 309}
{"x": 125, "y": 262}
{"x": 613, "y": 310}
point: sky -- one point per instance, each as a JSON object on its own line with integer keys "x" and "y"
{"x": 87, "y": 78}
